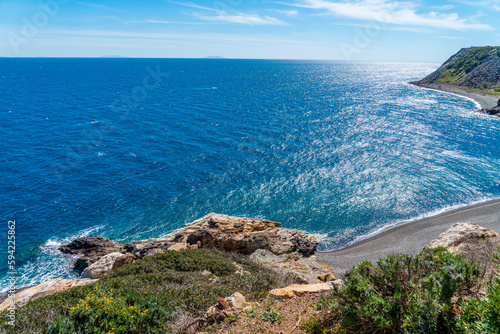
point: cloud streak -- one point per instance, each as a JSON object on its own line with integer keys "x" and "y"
{"x": 391, "y": 12}
{"x": 227, "y": 16}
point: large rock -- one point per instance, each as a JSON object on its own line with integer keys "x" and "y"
{"x": 476, "y": 244}
{"x": 106, "y": 264}
{"x": 45, "y": 289}
{"x": 297, "y": 268}
{"x": 242, "y": 235}
{"x": 88, "y": 245}
{"x": 300, "y": 289}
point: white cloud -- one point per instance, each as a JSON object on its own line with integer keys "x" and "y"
{"x": 495, "y": 4}
{"x": 242, "y": 18}
{"x": 152, "y": 21}
{"x": 289, "y": 13}
{"x": 392, "y": 12}
{"x": 98, "y": 6}
{"x": 213, "y": 14}
{"x": 449, "y": 37}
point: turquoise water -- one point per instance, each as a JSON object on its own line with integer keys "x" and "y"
{"x": 134, "y": 148}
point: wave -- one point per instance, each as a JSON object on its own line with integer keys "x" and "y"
{"x": 49, "y": 263}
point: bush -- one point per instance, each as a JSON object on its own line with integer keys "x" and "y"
{"x": 103, "y": 312}
{"x": 480, "y": 315}
{"x": 402, "y": 294}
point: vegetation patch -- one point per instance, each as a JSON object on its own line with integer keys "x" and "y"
{"x": 401, "y": 294}
{"x": 146, "y": 296}
{"x": 457, "y": 72}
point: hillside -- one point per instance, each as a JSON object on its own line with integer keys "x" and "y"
{"x": 475, "y": 67}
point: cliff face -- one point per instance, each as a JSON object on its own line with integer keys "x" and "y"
{"x": 475, "y": 67}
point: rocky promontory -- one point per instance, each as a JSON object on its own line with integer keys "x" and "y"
{"x": 263, "y": 240}
{"x": 290, "y": 251}
{"x": 472, "y": 72}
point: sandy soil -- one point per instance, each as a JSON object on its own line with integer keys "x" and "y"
{"x": 294, "y": 312}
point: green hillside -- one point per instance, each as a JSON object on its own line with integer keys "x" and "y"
{"x": 475, "y": 67}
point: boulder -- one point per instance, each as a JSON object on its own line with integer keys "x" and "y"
{"x": 237, "y": 300}
{"x": 294, "y": 267}
{"x": 102, "y": 267}
{"x": 177, "y": 246}
{"x": 45, "y": 289}
{"x": 300, "y": 289}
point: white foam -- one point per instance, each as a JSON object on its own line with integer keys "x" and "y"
{"x": 49, "y": 262}
{"x": 478, "y": 105}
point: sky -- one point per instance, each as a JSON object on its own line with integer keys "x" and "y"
{"x": 373, "y": 30}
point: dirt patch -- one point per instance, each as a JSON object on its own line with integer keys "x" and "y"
{"x": 288, "y": 314}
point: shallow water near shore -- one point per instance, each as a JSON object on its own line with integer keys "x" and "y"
{"x": 135, "y": 148}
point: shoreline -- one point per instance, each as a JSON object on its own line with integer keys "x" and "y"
{"x": 485, "y": 101}
{"x": 411, "y": 238}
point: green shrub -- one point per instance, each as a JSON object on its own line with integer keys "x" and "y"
{"x": 271, "y": 315}
{"x": 251, "y": 312}
{"x": 402, "y": 293}
{"x": 313, "y": 326}
{"x": 103, "y": 312}
{"x": 480, "y": 315}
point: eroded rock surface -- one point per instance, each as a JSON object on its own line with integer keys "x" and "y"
{"x": 106, "y": 264}
{"x": 242, "y": 235}
{"x": 285, "y": 250}
{"x": 300, "y": 289}
{"x": 45, "y": 289}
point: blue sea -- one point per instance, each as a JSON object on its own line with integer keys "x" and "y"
{"x": 135, "y": 148}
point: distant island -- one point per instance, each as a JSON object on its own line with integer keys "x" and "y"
{"x": 113, "y": 56}
{"x": 214, "y": 57}
{"x": 472, "y": 72}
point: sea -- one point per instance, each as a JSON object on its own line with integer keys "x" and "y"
{"x": 135, "y": 148}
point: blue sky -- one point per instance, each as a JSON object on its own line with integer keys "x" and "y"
{"x": 386, "y": 30}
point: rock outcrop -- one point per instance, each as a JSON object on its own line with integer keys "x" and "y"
{"x": 288, "y": 250}
{"x": 492, "y": 111}
{"x": 91, "y": 249}
{"x": 242, "y": 235}
{"x": 476, "y": 244}
{"x": 48, "y": 288}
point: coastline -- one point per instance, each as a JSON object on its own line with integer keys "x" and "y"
{"x": 486, "y": 101}
{"x": 412, "y": 237}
